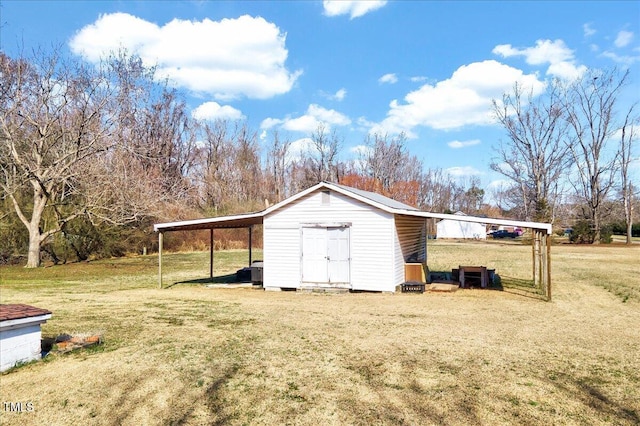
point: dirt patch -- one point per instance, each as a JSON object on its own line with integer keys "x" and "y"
{"x": 64, "y": 343}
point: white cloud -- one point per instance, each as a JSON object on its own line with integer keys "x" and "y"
{"x": 567, "y": 70}
{"x": 213, "y": 110}
{"x": 500, "y": 184}
{"x": 622, "y": 59}
{"x": 463, "y": 171}
{"x": 545, "y": 51}
{"x": 463, "y": 99}
{"x": 230, "y": 58}
{"x": 388, "y": 78}
{"x": 588, "y": 30}
{"x": 310, "y": 121}
{"x": 463, "y": 144}
{"x": 268, "y": 123}
{"x": 631, "y": 131}
{"x": 419, "y": 79}
{"x": 305, "y": 123}
{"x": 555, "y": 53}
{"x": 361, "y": 150}
{"x": 340, "y": 95}
{"x": 355, "y": 8}
{"x": 300, "y": 148}
{"x": 301, "y": 145}
{"x": 624, "y": 38}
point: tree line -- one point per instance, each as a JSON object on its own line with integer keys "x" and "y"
{"x": 92, "y": 156}
{"x": 570, "y": 146}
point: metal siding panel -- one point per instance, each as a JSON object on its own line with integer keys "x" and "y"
{"x": 281, "y": 257}
{"x": 410, "y": 239}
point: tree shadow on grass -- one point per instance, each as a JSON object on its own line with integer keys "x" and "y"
{"x": 220, "y": 279}
{"x": 212, "y": 400}
{"x": 591, "y": 396}
{"x": 520, "y": 287}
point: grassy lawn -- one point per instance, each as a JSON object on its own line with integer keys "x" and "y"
{"x": 194, "y": 355}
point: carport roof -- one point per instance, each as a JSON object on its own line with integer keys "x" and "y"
{"x": 379, "y": 201}
{"x": 235, "y": 221}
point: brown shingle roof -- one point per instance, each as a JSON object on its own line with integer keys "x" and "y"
{"x": 18, "y": 310}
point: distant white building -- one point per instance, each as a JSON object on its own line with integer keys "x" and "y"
{"x": 448, "y": 228}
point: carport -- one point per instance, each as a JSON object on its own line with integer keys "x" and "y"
{"x": 540, "y": 243}
{"x": 248, "y": 221}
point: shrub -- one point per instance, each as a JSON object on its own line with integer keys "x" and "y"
{"x": 605, "y": 234}
{"x": 583, "y": 233}
{"x": 620, "y": 228}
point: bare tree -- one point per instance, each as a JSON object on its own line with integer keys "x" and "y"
{"x": 386, "y": 160}
{"x": 590, "y": 107}
{"x": 106, "y": 143}
{"x": 277, "y": 167}
{"x": 152, "y": 126}
{"x": 248, "y": 182}
{"x": 535, "y": 156}
{"x": 437, "y": 191}
{"x": 53, "y": 118}
{"x": 627, "y": 140}
{"x": 213, "y": 152}
{"x": 469, "y": 197}
{"x": 385, "y": 166}
{"x": 325, "y": 156}
{"x": 229, "y": 173}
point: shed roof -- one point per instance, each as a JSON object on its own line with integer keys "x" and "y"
{"x": 375, "y": 200}
{"x": 18, "y": 311}
{"x": 378, "y": 198}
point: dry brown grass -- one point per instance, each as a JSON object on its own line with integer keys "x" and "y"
{"x": 193, "y": 355}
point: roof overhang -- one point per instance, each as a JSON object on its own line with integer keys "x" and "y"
{"x": 475, "y": 219}
{"x": 222, "y": 222}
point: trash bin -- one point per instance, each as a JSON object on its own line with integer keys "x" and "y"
{"x": 256, "y": 272}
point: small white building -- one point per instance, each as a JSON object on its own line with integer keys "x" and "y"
{"x": 20, "y": 334}
{"x": 448, "y": 228}
{"x": 333, "y": 236}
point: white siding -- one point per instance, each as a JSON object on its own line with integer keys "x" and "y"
{"x": 19, "y": 345}
{"x": 410, "y": 239}
{"x": 371, "y": 235}
{"x": 457, "y": 229}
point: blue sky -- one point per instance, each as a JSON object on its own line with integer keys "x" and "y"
{"x": 429, "y": 69}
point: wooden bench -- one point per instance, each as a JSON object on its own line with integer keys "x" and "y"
{"x": 468, "y": 273}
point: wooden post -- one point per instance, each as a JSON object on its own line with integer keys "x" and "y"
{"x": 548, "y": 268}
{"x": 541, "y": 262}
{"x": 160, "y": 259}
{"x": 534, "y": 234}
{"x": 211, "y": 253}
{"x": 250, "y": 244}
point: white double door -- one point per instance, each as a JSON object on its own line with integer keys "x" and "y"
{"x": 325, "y": 255}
